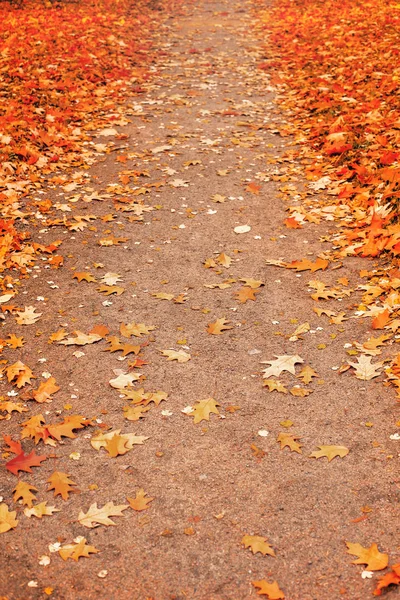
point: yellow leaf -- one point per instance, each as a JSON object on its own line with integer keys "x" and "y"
{"x": 289, "y": 440}
{"x": 272, "y": 590}
{"x": 330, "y": 452}
{"x": 141, "y": 500}
{"x": 7, "y": 518}
{"x": 257, "y": 544}
{"x": 375, "y": 560}
{"x": 203, "y": 408}
{"x": 77, "y": 550}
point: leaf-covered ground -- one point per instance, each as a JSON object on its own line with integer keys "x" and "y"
{"x": 199, "y": 358}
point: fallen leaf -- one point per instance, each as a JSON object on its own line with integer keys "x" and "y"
{"x": 218, "y": 327}
{"x": 203, "y": 408}
{"x": 141, "y": 500}
{"x": 61, "y": 484}
{"x": 45, "y": 390}
{"x": 7, "y": 518}
{"x": 257, "y": 544}
{"x": 20, "y": 373}
{"x": 27, "y": 316}
{"x": 179, "y": 355}
{"x": 289, "y": 440}
{"x": 96, "y": 516}
{"x": 272, "y": 590}
{"x": 136, "y": 329}
{"x": 364, "y": 369}
{"x": 375, "y": 560}
{"x": 22, "y": 491}
{"x": 77, "y": 550}
{"x": 24, "y": 462}
{"x": 285, "y": 362}
{"x": 330, "y": 452}
{"x": 81, "y": 339}
{"x": 40, "y": 510}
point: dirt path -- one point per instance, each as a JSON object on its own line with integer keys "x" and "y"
{"x": 198, "y": 134}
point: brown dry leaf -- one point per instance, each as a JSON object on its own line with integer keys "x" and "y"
{"x": 272, "y": 590}
{"x": 245, "y": 294}
{"x": 10, "y": 407}
{"x": 20, "y": 373}
{"x": 203, "y": 408}
{"x": 27, "y": 316}
{"x": 250, "y": 282}
{"x": 141, "y": 500}
{"x": 218, "y": 327}
{"x": 257, "y": 544}
{"x": 57, "y": 336}
{"x": 289, "y": 440}
{"x": 96, "y": 516}
{"x": 7, "y": 518}
{"x": 77, "y": 550}
{"x": 61, "y": 484}
{"x": 22, "y": 491}
{"x": 40, "y": 510}
{"x": 303, "y": 328}
{"x": 83, "y": 276}
{"x": 306, "y": 374}
{"x": 274, "y": 385}
{"x": 179, "y": 355}
{"x": 306, "y": 265}
{"x": 14, "y": 342}
{"x": 45, "y": 390}
{"x": 285, "y": 362}
{"x": 81, "y": 339}
{"x": 136, "y": 329}
{"x": 139, "y": 396}
{"x": 330, "y": 452}
{"x": 364, "y": 369}
{"x": 163, "y": 296}
{"x": 375, "y": 560}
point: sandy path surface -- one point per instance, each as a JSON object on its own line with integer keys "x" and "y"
{"x": 206, "y": 161}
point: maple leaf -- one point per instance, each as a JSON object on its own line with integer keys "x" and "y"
{"x": 22, "y": 491}
{"x": 7, "y": 518}
{"x": 40, "y": 510}
{"x": 364, "y": 369}
{"x": 203, "y": 408}
{"x": 81, "y": 339}
{"x": 27, "y": 316}
{"x": 24, "y": 462}
{"x": 136, "y": 329}
{"x": 218, "y": 327}
{"x": 20, "y": 373}
{"x": 257, "y": 544}
{"x": 272, "y": 590}
{"x": 245, "y": 294}
{"x": 289, "y": 440}
{"x": 285, "y": 362}
{"x": 375, "y": 560}
{"x": 141, "y": 500}
{"x": 83, "y": 276}
{"x": 306, "y": 374}
{"x": 330, "y": 452}
{"x": 61, "y": 484}
{"x": 77, "y": 550}
{"x": 45, "y": 390}
{"x": 96, "y": 516}
{"x": 392, "y": 578}
{"x": 275, "y": 386}
{"x": 179, "y": 355}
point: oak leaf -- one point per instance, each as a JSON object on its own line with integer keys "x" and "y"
{"x": 364, "y": 369}
{"x": 224, "y": 260}
{"x": 45, "y": 390}
{"x": 20, "y": 373}
{"x": 306, "y": 265}
{"x": 203, "y": 408}
{"x": 136, "y": 329}
{"x": 391, "y": 578}
{"x": 113, "y": 442}
{"x": 10, "y": 407}
{"x": 252, "y": 283}
{"x": 83, "y": 276}
{"x": 257, "y": 544}
{"x": 7, "y": 518}
{"x": 40, "y": 510}
{"x": 306, "y": 374}
{"x": 163, "y": 296}
{"x": 245, "y": 294}
{"x": 66, "y": 427}
{"x": 179, "y": 355}
{"x": 24, "y": 462}
{"x": 57, "y": 336}
{"x": 139, "y": 396}
{"x": 77, "y": 550}
{"x": 96, "y": 516}
{"x": 300, "y": 392}
{"x": 134, "y": 413}
{"x": 289, "y": 440}
{"x": 141, "y": 500}
{"x": 274, "y": 385}
{"x": 14, "y": 342}
{"x": 123, "y": 380}
{"x": 375, "y": 560}
{"x": 61, "y": 484}
{"x": 218, "y": 327}
{"x": 27, "y": 316}
{"x": 272, "y": 590}
{"x": 285, "y": 362}
{"x": 22, "y": 491}
{"x": 330, "y": 452}
{"x": 110, "y": 289}
{"x": 81, "y": 339}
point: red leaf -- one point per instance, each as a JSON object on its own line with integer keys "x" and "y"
{"x": 24, "y": 462}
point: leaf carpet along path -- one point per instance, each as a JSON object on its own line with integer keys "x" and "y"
{"x": 195, "y": 394}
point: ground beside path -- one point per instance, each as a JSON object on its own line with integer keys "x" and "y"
{"x": 201, "y": 154}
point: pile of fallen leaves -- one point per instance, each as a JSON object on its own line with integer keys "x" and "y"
{"x": 337, "y": 72}
{"x": 65, "y": 70}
